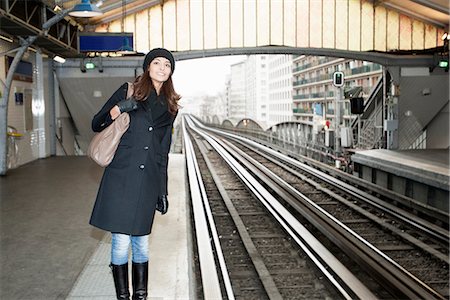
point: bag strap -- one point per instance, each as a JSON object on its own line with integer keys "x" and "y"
{"x": 130, "y": 90}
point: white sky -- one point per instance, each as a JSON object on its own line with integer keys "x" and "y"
{"x": 203, "y": 75}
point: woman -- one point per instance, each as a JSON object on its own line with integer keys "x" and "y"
{"x": 134, "y": 185}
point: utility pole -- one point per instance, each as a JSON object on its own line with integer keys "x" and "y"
{"x": 338, "y": 82}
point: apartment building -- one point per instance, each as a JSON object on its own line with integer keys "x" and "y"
{"x": 314, "y": 94}
{"x": 280, "y": 89}
{"x": 256, "y": 84}
{"x": 236, "y": 101}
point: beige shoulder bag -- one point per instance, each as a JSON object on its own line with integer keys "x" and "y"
{"x": 104, "y": 144}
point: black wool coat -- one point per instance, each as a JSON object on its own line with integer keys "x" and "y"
{"x": 137, "y": 175}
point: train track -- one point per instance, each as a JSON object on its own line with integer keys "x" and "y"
{"x": 280, "y": 262}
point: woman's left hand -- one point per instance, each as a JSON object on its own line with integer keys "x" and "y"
{"x": 162, "y": 205}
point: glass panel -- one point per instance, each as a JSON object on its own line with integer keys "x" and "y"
{"x": 341, "y": 24}
{"x": 380, "y": 28}
{"x": 237, "y": 23}
{"x": 418, "y": 34}
{"x": 262, "y": 20}
{"x": 115, "y": 26}
{"x": 141, "y": 35}
{"x": 155, "y": 16}
{"x": 440, "y": 32}
{"x": 196, "y": 17}
{"x": 302, "y": 23}
{"x": 169, "y": 25}
{"x": 328, "y": 40}
{"x": 129, "y": 23}
{"x": 289, "y": 23}
{"x": 315, "y": 31}
{"x": 210, "y": 17}
{"x": 354, "y": 25}
{"x": 183, "y": 26}
{"x": 393, "y": 20}
{"x": 405, "y": 33}
{"x": 276, "y": 22}
{"x": 367, "y": 26}
{"x": 430, "y": 36}
{"x": 223, "y": 24}
{"x": 250, "y": 23}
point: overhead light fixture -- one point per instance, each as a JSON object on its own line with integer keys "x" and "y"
{"x": 59, "y": 59}
{"x": 85, "y": 10}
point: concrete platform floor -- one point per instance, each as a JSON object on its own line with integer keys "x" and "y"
{"x": 49, "y": 251}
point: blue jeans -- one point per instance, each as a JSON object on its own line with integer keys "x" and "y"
{"x": 121, "y": 245}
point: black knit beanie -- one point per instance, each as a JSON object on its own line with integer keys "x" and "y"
{"x": 158, "y": 52}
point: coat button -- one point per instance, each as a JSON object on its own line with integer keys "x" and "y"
{"x": 146, "y": 148}
{"x": 141, "y": 167}
{"x": 150, "y": 128}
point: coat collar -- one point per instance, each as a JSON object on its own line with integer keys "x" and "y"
{"x": 147, "y": 105}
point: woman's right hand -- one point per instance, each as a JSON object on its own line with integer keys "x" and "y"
{"x": 114, "y": 112}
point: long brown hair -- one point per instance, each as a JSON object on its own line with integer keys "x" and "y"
{"x": 143, "y": 85}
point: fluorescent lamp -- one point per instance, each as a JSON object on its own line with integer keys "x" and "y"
{"x": 85, "y": 10}
{"x": 59, "y": 59}
{"x": 6, "y": 38}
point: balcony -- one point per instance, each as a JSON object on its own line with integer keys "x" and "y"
{"x": 320, "y": 95}
{"x": 299, "y": 97}
{"x": 313, "y": 64}
{"x": 322, "y": 77}
{"x": 302, "y": 110}
{"x": 363, "y": 69}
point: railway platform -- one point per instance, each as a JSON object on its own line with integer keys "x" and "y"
{"x": 419, "y": 174}
{"x": 49, "y": 251}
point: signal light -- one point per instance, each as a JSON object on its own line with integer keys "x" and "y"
{"x": 443, "y": 63}
{"x": 89, "y": 65}
{"x": 338, "y": 79}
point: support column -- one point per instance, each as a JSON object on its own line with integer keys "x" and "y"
{"x": 38, "y": 107}
{"x": 52, "y": 107}
{"x": 5, "y": 100}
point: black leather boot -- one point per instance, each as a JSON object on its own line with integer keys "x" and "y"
{"x": 120, "y": 275}
{"x": 140, "y": 280}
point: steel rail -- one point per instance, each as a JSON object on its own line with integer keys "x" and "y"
{"x": 312, "y": 247}
{"x": 209, "y": 275}
{"x": 433, "y": 230}
{"x": 389, "y": 271}
{"x": 408, "y": 237}
{"x": 263, "y": 273}
{"x": 404, "y": 201}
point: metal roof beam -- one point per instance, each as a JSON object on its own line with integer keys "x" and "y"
{"x": 385, "y": 59}
{"x": 432, "y": 5}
